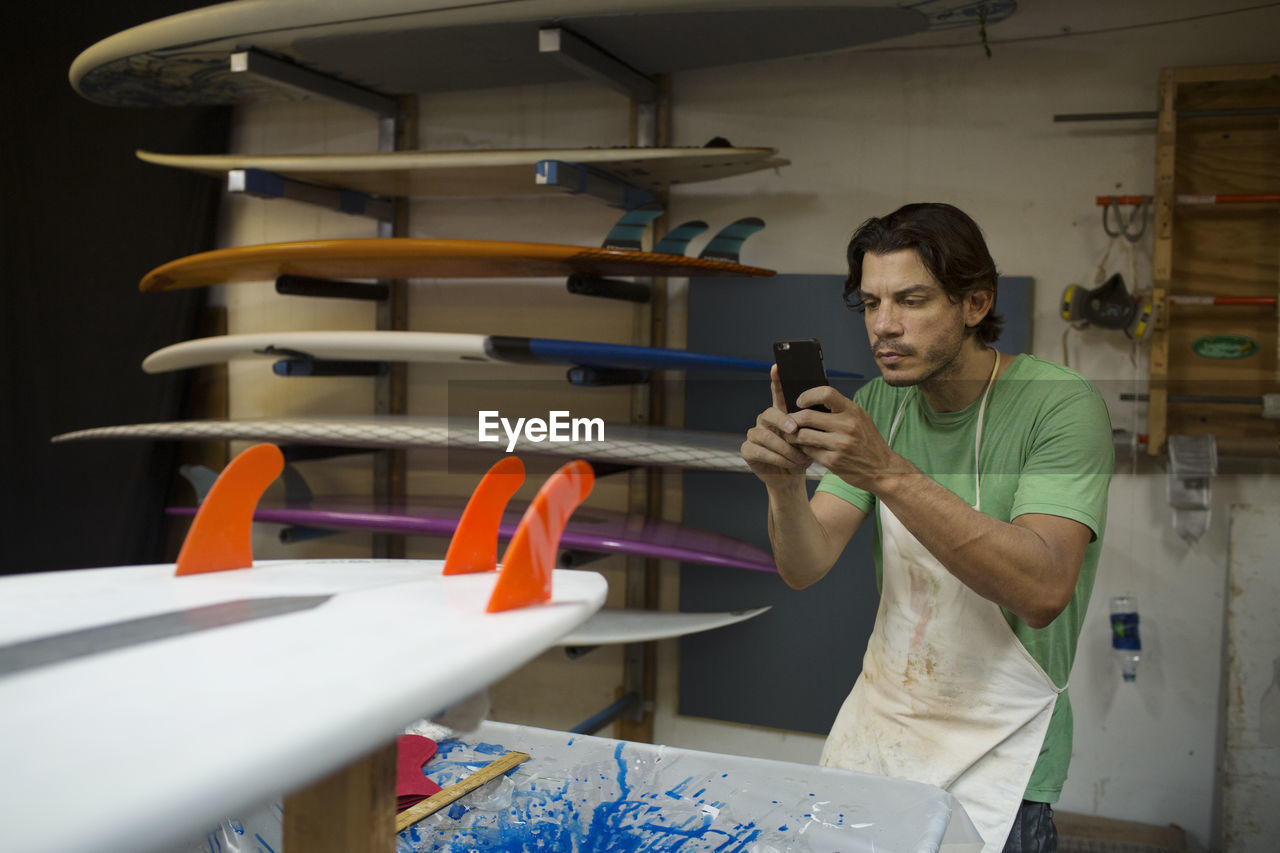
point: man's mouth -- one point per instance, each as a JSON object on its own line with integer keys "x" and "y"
{"x": 891, "y": 356}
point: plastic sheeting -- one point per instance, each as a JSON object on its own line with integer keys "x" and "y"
{"x": 582, "y": 793}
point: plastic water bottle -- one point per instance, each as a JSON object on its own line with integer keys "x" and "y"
{"x": 1126, "y": 645}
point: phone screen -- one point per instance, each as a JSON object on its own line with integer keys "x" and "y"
{"x": 799, "y": 369}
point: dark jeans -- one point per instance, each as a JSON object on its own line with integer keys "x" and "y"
{"x": 1033, "y": 830}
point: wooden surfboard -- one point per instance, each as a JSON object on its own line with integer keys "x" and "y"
{"x": 182, "y": 704}
{"x": 404, "y": 257}
{"x": 419, "y": 174}
{"x": 400, "y": 46}
{"x": 656, "y": 446}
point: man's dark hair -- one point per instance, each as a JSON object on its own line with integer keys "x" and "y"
{"x": 949, "y": 243}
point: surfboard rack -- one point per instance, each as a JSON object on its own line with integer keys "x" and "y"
{"x": 573, "y": 558}
{"x": 263, "y": 184}
{"x": 295, "y": 533}
{"x": 587, "y": 59}
{"x": 580, "y": 179}
{"x": 297, "y": 363}
{"x": 308, "y": 452}
{"x": 606, "y": 715}
{"x": 593, "y": 377}
{"x": 320, "y": 367}
{"x": 608, "y": 288}
{"x": 302, "y": 285}
{"x": 285, "y": 74}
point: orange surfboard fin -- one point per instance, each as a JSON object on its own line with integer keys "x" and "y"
{"x": 530, "y": 559}
{"x": 474, "y": 547}
{"x": 220, "y": 537}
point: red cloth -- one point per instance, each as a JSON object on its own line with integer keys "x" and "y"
{"x": 412, "y": 786}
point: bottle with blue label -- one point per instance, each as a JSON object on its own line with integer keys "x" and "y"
{"x": 1126, "y": 645}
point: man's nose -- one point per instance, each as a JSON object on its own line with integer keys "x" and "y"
{"x": 888, "y": 322}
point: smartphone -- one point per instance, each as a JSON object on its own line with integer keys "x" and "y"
{"x": 799, "y": 369}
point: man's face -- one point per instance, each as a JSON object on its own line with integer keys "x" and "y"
{"x": 915, "y": 331}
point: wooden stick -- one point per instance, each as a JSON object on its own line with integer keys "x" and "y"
{"x": 440, "y": 799}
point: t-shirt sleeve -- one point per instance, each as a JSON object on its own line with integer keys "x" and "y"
{"x": 830, "y": 482}
{"x": 1070, "y": 462}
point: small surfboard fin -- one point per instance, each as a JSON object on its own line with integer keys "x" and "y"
{"x": 675, "y": 241}
{"x": 629, "y": 230}
{"x": 297, "y": 492}
{"x": 201, "y": 478}
{"x": 220, "y": 537}
{"x": 727, "y": 244}
{"x": 530, "y": 559}
{"x": 474, "y": 547}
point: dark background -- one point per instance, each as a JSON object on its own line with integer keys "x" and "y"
{"x": 83, "y": 220}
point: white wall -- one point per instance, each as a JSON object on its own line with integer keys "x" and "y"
{"x": 869, "y": 130}
{"x": 866, "y": 131}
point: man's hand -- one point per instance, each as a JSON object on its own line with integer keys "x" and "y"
{"x": 806, "y": 538}
{"x": 767, "y": 451}
{"x": 845, "y": 440}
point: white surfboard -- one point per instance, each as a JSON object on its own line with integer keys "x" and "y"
{"x": 611, "y": 626}
{"x": 112, "y": 733}
{"x": 300, "y": 348}
{"x": 421, "y": 174}
{"x": 655, "y": 446}
{"x": 400, "y": 46}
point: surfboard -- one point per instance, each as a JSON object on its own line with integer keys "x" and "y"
{"x": 419, "y": 174}
{"x": 171, "y": 735}
{"x": 408, "y": 257}
{"x": 294, "y": 351}
{"x": 592, "y": 530}
{"x": 614, "y": 627}
{"x": 400, "y": 46}
{"x": 654, "y": 446}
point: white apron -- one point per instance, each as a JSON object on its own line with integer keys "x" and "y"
{"x": 948, "y": 695}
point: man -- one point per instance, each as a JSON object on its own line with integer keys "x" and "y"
{"x": 987, "y": 474}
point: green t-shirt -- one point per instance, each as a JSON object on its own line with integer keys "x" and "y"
{"x": 1046, "y": 448}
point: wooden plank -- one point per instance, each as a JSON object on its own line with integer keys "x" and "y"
{"x": 1226, "y": 252}
{"x": 1082, "y": 827}
{"x": 1215, "y": 73}
{"x": 1227, "y": 161}
{"x": 1162, "y": 260}
{"x": 350, "y": 811}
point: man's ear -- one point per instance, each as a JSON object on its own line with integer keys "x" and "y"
{"x": 977, "y": 305}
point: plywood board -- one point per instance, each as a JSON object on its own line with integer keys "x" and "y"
{"x": 1251, "y": 779}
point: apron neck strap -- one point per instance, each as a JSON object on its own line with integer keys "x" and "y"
{"x": 977, "y": 439}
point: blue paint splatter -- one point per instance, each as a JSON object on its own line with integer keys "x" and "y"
{"x": 556, "y": 811}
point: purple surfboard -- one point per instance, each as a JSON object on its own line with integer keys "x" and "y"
{"x": 591, "y": 530}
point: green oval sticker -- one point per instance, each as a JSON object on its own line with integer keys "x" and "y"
{"x": 1225, "y": 346}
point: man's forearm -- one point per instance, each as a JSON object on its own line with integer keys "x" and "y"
{"x": 1006, "y": 563}
{"x": 802, "y": 549}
